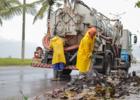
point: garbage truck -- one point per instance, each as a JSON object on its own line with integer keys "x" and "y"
{"x": 71, "y": 21}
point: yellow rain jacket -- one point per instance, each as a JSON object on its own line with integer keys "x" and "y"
{"x": 84, "y": 53}
{"x": 57, "y": 45}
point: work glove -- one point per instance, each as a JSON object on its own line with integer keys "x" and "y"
{"x": 90, "y": 56}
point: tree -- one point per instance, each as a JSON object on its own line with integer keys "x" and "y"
{"x": 10, "y": 8}
{"x": 25, "y": 8}
{"x": 138, "y": 4}
{"x": 47, "y": 6}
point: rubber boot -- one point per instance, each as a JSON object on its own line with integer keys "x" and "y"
{"x": 55, "y": 75}
{"x": 59, "y": 75}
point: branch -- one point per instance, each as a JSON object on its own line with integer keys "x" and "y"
{"x": 138, "y": 4}
{"x": 41, "y": 11}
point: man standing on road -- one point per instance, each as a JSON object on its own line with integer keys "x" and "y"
{"x": 58, "y": 60}
{"x": 85, "y": 51}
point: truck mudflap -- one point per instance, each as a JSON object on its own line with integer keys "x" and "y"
{"x": 41, "y": 65}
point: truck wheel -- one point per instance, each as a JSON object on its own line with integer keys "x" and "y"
{"x": 107, "y": 65}
{"x": 127, "y": 66}
{"x": 65, "y": 76}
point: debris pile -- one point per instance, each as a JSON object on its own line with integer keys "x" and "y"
{"x": 97, "y": 87}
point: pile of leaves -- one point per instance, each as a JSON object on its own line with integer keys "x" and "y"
{"x": 97, "y": 87}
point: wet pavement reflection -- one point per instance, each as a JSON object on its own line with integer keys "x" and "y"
{"x": 31, "y": 81}
{"x": 135, "y": 67}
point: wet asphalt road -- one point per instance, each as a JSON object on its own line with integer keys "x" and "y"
{"x": 31, "y": 81}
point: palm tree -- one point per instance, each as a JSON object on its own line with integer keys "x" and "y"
{"x": 23, "y": 29}
{"x": 47, "y": 6}
{"x": 9, "y": 8}
{"x": 26, "y": 8}
{"x": 138, "y": 4}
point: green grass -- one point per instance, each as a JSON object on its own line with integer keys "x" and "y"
{"x": 14, "y": 61}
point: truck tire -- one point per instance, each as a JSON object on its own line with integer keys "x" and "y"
{"x": 65, "y": 76}
{"x": 107, "y": 63}
{"x": 127, "y": 66}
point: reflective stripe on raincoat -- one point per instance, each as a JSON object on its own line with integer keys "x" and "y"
{"x": 84, "y": 53}
{"x": 57, "y": 45}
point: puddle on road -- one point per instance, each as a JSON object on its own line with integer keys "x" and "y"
{"x": 32, "y": 81}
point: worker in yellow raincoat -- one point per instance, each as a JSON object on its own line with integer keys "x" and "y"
{"x": 58, "y": 60}
{"x": 85, "y": 51}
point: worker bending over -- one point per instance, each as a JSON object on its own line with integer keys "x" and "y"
{"x": 58, "y": 60}
{"x": 85, "y": 51}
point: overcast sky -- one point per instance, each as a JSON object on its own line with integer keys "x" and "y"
{"x": 11, "y": 30}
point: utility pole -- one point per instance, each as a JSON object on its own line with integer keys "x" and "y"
{"x": 23, "y": 31}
